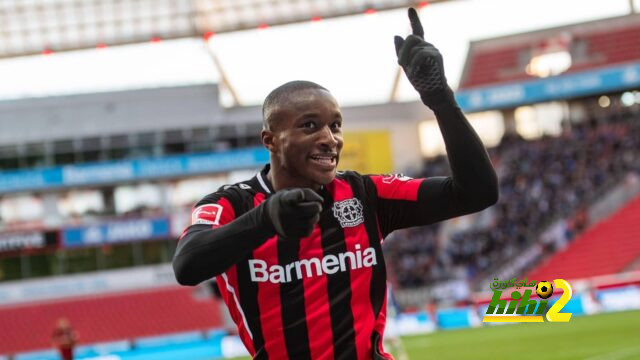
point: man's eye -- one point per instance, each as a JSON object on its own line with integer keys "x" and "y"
{"x": 309, "y": 125}
{"x": 336, "y": 125}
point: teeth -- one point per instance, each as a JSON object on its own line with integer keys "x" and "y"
{"x": 324, "y": 160}
{"x": 323, "y": 157}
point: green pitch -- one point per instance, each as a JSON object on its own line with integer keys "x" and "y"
{"x": 614, "y": 336}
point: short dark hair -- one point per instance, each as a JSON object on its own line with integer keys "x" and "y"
{"x": 280, "y": 94}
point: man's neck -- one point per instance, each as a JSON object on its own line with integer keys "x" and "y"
{"x": 280, "y": 180}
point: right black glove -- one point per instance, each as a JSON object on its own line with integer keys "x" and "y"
{"x": 294, "y": 212}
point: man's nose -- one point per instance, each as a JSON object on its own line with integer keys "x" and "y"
{"x": 327, "y": 137}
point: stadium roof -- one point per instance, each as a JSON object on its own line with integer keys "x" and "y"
{"x": 35, "y": 26}
{"x": 353, "y": 56}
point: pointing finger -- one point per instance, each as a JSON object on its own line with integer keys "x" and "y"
{"x": 416, "y": 25}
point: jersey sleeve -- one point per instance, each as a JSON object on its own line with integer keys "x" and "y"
{"x": 397, "y": 201}
{"x": 223, "y": 230}
{"x": 213, "y": 211}
{"x": 396, "y": 187}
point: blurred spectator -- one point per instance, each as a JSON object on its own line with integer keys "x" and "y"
{"x": 64, "y": 338}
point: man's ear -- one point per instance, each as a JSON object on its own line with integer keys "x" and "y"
{"x": 269, "y": 140}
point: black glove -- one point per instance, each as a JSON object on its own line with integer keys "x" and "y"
{"x": 422, "y": 63}
{"x": 293, "y": 212}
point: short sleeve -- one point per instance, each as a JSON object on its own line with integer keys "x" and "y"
{"x": 396, "y": 187}
{"x": 397, "y": 201}
{"x": 215, "y": 212}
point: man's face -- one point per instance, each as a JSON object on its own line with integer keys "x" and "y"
{"x": 306, "y": 138}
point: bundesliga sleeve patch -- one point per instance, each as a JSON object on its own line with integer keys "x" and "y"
{"x": 388, "y": 179}
{"x": 396, "y": 186}
{"x": 208, "y": 214}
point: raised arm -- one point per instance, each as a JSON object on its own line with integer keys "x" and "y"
{"x": 473, "y": 185}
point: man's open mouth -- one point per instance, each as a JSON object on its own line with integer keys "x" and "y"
{"x": 325, "y": 159}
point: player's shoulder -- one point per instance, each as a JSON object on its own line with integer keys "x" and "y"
{"x": 349, "y": 175}
{"x": 355, "y": 180}
{"x": 373, "y": 182}
{"x": 236, "y": 194}
{"x": 390, "y": 178}
{"x": 240, "y": 187}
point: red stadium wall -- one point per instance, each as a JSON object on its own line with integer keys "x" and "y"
{"x": 609, "y": 247}
{"x": 108, "y": 317}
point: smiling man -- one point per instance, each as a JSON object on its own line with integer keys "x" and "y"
{"x": 297, "y": 248}
{"x": 303, "y": 132}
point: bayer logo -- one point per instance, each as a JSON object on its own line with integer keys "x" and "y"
{"x": 348, "y": 212}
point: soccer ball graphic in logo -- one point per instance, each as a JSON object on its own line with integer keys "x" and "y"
{"x": 544, "y": 289}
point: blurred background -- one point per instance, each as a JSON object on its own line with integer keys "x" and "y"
{"x": 116, "y": 116}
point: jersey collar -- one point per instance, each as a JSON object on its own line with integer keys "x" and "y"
{"x": 263, "y": 180}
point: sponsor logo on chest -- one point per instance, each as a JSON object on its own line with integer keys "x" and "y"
{"x": 348, "y": 212}
{"x": 260, "y": 271}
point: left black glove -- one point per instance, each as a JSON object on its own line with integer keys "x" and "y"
{"x": 423, "y": 65}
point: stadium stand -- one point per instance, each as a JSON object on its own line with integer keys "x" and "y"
{"x": 540, "y": 181}
{"x": 592, "y": 45}
{"x": 108, "y": 317}
{"x": 609, "y": 247}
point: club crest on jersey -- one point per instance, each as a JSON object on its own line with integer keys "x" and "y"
{"x": 208, "y": 214}
{"x": 388, "y": 179}
{"x": 348, "y": 212}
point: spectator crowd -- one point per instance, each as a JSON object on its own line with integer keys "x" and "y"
{"x": 540, "y": 181}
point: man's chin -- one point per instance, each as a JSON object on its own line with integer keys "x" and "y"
{"x": 324, "y": 178}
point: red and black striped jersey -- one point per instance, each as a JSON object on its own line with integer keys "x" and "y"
{"x": 324, "y": 296}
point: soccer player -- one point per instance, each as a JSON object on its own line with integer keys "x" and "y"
{"x": 297, "y": 248}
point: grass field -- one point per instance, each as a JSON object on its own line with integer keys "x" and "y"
{"x": 614, "y": 336}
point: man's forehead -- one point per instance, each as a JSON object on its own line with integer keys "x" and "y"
{"x": 295, "y": 104}
{"x": 303, "y": 99}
